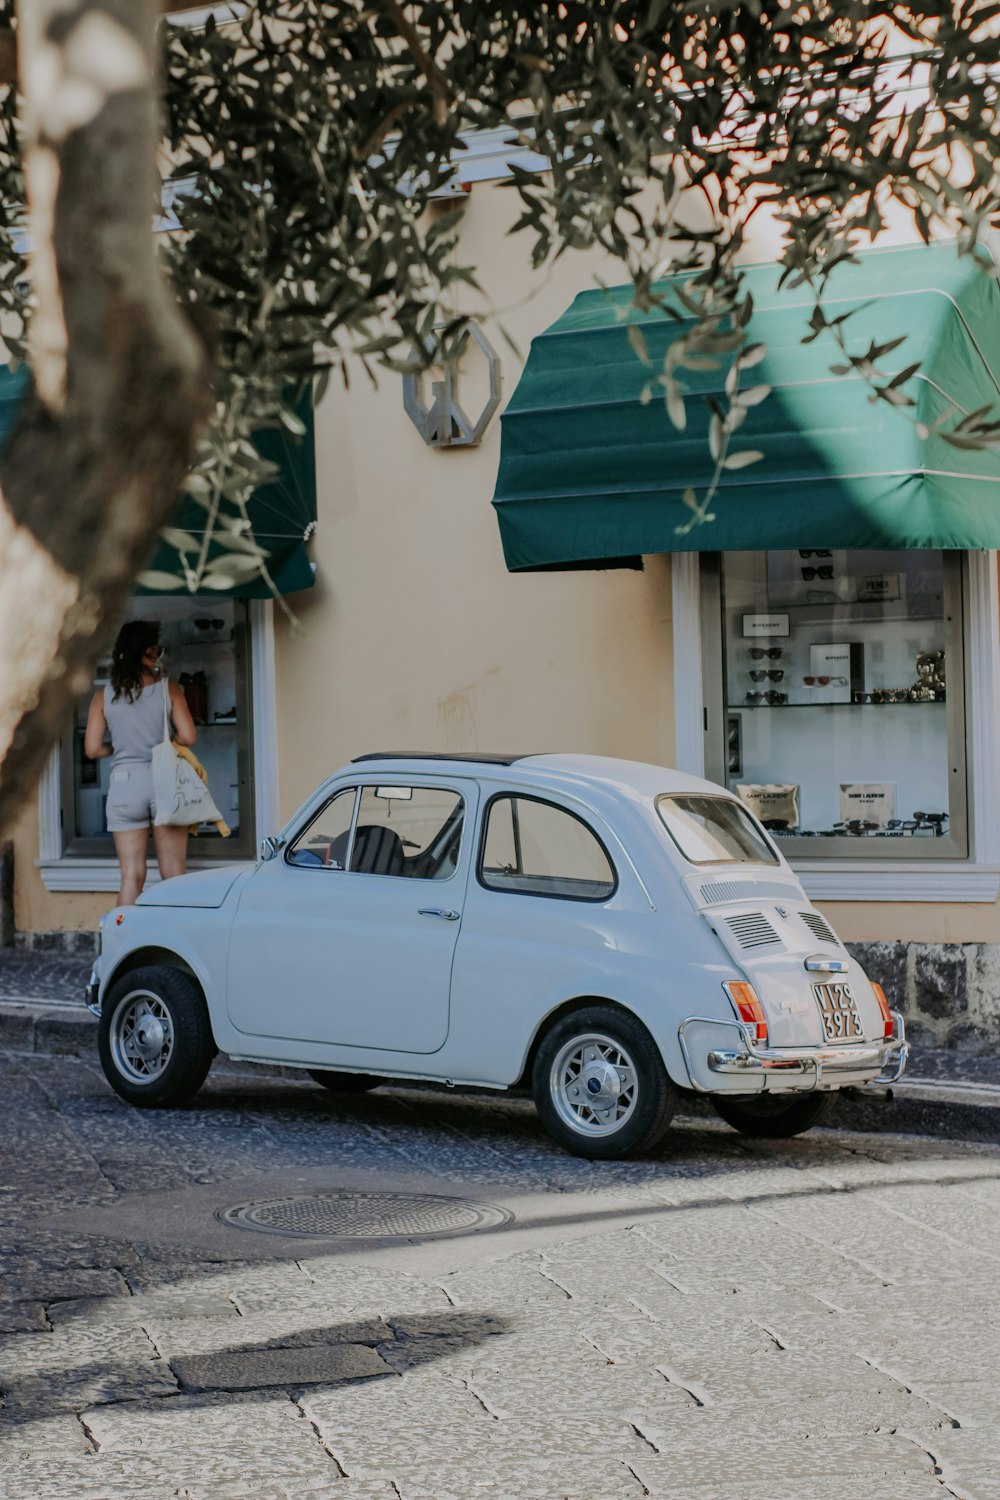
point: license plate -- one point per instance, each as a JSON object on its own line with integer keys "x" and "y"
{"x": 837, "y": 1006}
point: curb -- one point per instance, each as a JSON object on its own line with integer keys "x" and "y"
{"x": 953, "y": 1108}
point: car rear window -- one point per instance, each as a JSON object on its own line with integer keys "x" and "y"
{"x": 714, "y": 831}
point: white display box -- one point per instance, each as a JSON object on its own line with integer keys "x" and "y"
{"x": 843, "y": 664}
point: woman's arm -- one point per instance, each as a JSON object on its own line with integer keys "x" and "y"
{"x": 94, "y": 746}
{"x": 184, "y": 729}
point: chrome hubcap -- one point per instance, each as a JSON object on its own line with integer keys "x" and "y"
{"x": 594, "y": 1085}
{"x": 142, "y": 1036}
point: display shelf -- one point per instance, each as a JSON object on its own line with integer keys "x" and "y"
{"x": 925, "y": 703}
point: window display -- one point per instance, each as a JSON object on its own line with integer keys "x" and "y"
{"x": 207, "y": 656}
{"x": 842, "y": 719}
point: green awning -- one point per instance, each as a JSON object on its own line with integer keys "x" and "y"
{"x": 589, "y": 476}
{"x": 282, "y": 515}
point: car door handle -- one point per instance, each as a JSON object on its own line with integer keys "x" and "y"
{"x": 439, "y": 911}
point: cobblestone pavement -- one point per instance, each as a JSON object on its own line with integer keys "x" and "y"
{"x": 728, "y": 1320}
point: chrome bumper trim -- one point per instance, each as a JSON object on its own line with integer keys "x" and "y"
{"x": 843, "y": 1060}
{"x": 90, "y": 994}
{"x": 888, "y": 1056}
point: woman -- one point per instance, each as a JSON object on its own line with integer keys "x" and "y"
{"x": 130, "y": 710}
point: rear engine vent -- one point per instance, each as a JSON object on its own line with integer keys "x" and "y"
{"x": 819, "y": 928}
{"x": 747, "y": 890}
{"x": 752, "y": 930}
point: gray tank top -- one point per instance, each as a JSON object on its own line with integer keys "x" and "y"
{"x": 135, "y": 727}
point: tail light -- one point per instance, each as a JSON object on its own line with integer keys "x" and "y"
{"x": 883, "y": 1005}
{"x": 748, "y": 1007}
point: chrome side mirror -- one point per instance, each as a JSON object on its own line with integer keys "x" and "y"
{"x": 270, "y": 846}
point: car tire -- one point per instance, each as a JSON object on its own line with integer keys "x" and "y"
{"x": 343, "y": 1083}
{"x": 155, "y": 1038}
{"x": 600, "y": 1086}
{"x": 774, "y": 1115}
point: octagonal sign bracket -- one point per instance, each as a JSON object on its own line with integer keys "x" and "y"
{"x": 442, "y": 421}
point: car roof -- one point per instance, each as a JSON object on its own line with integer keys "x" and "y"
{"x": 551, "y": 770}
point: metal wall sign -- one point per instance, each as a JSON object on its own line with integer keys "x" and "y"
{"x": 441, "y": 420}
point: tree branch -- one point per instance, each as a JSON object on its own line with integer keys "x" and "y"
{"x": 100, "y": 450}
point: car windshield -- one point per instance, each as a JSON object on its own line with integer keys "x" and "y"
{"x": 714, "y": 831}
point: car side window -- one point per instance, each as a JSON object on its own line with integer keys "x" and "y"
{"x": 407, "y": 831}
{"x": 323, "y": 842}
{"x": 534, "y": 848}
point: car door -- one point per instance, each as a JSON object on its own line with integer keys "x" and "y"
{"x": 348, "y": 936}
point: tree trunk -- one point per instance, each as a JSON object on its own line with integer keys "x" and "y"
{"x": 99, "y": 453}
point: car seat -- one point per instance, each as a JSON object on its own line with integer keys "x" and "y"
{"x": 377, "y": 851}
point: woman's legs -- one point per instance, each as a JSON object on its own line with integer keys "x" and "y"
{"x": 130, "y": 847}
{"x": 171, "y": 850}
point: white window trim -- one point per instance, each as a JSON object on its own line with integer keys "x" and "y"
{"x": 976, "y": 879}
{"x": 61, "y": 872}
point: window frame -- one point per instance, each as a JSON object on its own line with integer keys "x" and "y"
{"x": 959, "y": 843}
{"x": 973, "y": 880}
{"x": 545, "y": 895}
{"x": 205, "y": 848}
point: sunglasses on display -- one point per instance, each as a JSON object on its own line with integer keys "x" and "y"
{"x": 771, "y": 674}
{"x": 772, "y": 652}
{"x": 825, "y": 681}
{"x": 825, "y": 552}
{"x": 770, "y": 697}
{"x": 775, "y": 824}
{"x": 935, "y": 818}
{"x": 825, "y": 571}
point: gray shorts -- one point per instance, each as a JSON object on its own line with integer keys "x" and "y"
{"x": 130, "y": 797}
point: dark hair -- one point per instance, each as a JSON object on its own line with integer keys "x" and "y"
{"x": 132, "y": 642}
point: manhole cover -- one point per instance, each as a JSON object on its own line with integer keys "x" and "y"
{"x": 365, "y": 1216}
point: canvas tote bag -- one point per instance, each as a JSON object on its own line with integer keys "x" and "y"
{"x": 180, "y": 796}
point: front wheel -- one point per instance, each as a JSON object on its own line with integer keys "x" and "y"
{"x": 774, "y": 1115}
{"x": 155, "y": 1038}
{"x": 600, "y": 1086}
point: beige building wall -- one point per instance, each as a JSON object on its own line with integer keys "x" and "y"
{"x": 416, "y": 635}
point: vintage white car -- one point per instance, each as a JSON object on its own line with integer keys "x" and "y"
{"x": 606, "y": 933}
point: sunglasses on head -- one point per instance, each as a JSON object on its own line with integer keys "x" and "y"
{"x": 772, "y": 652}
{"x": 826, "y": 571}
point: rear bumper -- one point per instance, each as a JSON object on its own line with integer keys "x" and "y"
{"x": 795, "y": 1070}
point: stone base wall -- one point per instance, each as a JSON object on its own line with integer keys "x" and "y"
{"x": 82, "y": 943}
{"x": 949, "y": 993}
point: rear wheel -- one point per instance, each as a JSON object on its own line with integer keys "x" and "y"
{"x": 600, "y": 1086}
{"x": 155, "y": 1037}
{"x": 343, "y": 1083}
{"x": 774, "y": 1115}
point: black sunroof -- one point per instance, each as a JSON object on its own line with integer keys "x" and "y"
{"x": 486, "y": 758}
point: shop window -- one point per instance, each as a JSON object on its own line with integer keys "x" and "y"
{"x": 838, "y": 715}
{"x": 208, "y": 655}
